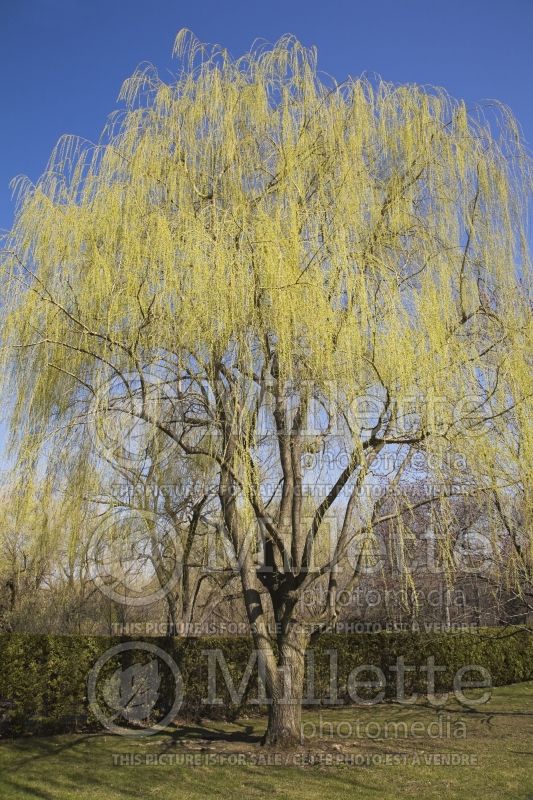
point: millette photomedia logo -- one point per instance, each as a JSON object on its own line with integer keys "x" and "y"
{"x": 128, "y": 689}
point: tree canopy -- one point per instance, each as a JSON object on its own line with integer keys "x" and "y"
{"x": 254, "y": 229}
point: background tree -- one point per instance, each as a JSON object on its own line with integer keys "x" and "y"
{"x": 167, "y": 513}
{"x": 303, "y": 268}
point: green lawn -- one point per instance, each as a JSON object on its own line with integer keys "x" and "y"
{"x": 497, "y": 749}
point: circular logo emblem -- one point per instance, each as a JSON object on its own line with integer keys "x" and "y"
{"x": 127, "y": 415}
{"x": 125, "y": 699}
{"x": 135, "y": 557}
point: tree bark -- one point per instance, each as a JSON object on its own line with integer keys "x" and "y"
{"x": 285, "y": 690}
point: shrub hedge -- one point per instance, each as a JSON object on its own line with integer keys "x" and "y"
{"x": 43, "y": 679}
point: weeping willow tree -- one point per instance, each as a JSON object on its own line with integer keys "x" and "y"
{"x": 325, "y": 280}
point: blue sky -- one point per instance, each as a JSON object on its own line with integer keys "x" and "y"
{"x": 63, "y": 61}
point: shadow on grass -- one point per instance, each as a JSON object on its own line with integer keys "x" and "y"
{"x": 45, "y": 749}
{"x": 245, "y": 734}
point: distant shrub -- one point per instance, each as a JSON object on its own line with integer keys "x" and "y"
{"x": 43, "y": 679}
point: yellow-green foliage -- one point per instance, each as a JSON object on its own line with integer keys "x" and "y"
{"x": 371, "y": 233}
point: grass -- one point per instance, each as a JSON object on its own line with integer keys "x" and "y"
{"x": 496, "y": 741}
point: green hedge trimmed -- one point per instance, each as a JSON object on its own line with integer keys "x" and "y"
{"x": 43, "y": 679}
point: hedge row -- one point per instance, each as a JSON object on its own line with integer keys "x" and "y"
{"x": 43, "y": 679}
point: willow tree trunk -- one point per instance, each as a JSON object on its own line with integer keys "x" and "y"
{"x": 285, "y": 686}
